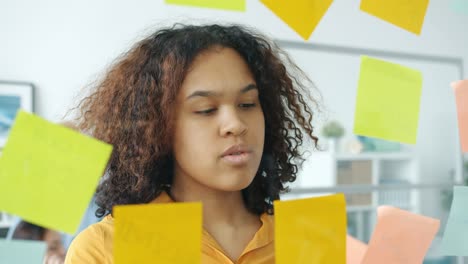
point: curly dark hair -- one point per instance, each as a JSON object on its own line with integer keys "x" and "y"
{"x": 28, "y": 231}
{"x": 132, "y": 108}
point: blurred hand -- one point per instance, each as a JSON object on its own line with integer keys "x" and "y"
{"x": 54, "y": 259}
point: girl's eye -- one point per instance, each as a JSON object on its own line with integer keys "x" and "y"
{"x": 212, "y": 110}
{"x": 247, "y": 105}
{"x": 206, "y": 112}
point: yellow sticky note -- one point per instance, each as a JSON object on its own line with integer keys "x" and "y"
{"x": 406, "y": 14}
{"x": 166, "y": 233}
{"x": 311, "y": 230}
{"x": 235, "y": 5}
{"x": 388, "y": 100}
{"x": 49, "y": 173}
{"x": 302, "y": 16}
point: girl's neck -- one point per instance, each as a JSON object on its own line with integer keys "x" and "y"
{"x": 225, "y": 216}
{"x": 219, "y": 207}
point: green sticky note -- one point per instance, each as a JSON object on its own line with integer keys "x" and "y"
{"x": 459, "y": 6}
{"x": 48, "y": 173}
{"x": 455, "y": 240}
{"x": 236, "y": 5}
{"x": 22, "y": 252}
{"x": 388, "y": 100}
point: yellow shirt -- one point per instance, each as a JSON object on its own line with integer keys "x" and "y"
{"x": 94, "y": 244}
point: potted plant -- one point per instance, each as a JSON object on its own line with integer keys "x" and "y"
{"x": 447, "y": 195}
{"x": 333, "y": 131}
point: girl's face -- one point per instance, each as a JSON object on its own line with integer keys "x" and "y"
{"x": 219, "y": 124}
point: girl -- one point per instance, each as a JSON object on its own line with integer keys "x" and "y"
{"x": 199, "y": 113}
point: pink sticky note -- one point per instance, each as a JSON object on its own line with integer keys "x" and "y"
{"x": 461, "y": 97}
{"x": 355, "y": 250}
{"x": 400, "y": 237}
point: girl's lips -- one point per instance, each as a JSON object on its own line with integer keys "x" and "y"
{"x": 237, "y": 159}
{"x": 236, "y": 149}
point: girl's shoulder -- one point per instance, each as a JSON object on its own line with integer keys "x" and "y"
{"x": 266, "y": 232}
{"x": 93, "y": 244}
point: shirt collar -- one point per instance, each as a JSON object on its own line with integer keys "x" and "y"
{"x": 262, "y": 237}
{"x": 163, "y": 198}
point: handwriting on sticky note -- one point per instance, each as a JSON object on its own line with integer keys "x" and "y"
{"x": 311, "y": 230}
{"x": 46, "y": 168}
{"x": 172, "y": 232}
{"x": 151, "y": 241}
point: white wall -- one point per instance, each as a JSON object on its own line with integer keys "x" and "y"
{"x": 61, "y": 46}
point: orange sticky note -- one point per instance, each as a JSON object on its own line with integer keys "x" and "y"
{"x": 406, "y": 14}
{"x": 163, "y": 233}
{"x": 302, "y": 16}
{"x": 400, "y": 237}
{"x": 355, "y": 250}
{"x": 311, "y": 230}
{"x": 461, "y": 97}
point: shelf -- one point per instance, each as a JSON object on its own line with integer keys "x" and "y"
{"x": 360, "y": 208}
{"x": 368, "y": 179}
{"x": 5, "y": 224}
{"x": 5, "y": 220}
{"x": 374, "y": 156}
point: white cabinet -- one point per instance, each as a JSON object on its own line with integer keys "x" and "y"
{"x": 5, "y": 220}
{"x": 329, "y": 169}
{"x": 380, "y": 169}
{"x": 330, "y": 172}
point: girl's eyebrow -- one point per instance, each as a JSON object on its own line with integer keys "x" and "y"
{"x": 202, "y": 93}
